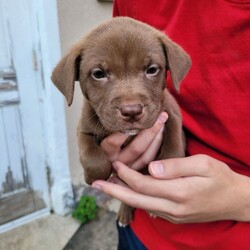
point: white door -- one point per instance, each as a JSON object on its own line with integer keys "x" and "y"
{"x": 23, "y": 173}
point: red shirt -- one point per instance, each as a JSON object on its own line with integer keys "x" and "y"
{"x": 215, "y": 104}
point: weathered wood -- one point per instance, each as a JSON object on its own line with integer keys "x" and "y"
{"x": 13, "y": 167}
{"x": 19, "y": 204}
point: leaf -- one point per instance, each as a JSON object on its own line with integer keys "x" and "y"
{"x": 86, "y": 209}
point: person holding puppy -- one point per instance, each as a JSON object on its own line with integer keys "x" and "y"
{"x": 201, "y": 201}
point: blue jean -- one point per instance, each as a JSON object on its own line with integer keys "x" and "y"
{"x": 127, "y": 240}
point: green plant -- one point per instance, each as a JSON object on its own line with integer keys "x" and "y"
{"x": 86, "y": 209}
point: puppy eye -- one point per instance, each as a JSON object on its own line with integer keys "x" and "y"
{"x": 152, "y": 70}
{"x": 98, "y": 74}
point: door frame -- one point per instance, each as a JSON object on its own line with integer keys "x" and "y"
{"x": 52, "y": 106}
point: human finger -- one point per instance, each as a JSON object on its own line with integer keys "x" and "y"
{"x": 111, "y": 145}
{"x": 148, "y": 185}
{"x": 150, "y": 153}
{"x": 142, "y": 141}
{"x": 115, "y": 179}
{"x": 196, "y": 165}
{"x": 132, "y": 198}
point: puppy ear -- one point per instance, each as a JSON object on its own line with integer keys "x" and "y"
{"x": 178, "y": 60}
{"x": 67, "y": 72}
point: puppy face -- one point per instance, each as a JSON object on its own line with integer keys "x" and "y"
{"x": 121, "y": 66}
{"x": 123, "y": 75}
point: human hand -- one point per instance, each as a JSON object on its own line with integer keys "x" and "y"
{"x": 141, "y": 151}
{"x": 183, "y": 190}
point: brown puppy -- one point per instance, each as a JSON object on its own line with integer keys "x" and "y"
{"x": 121, "y": 66}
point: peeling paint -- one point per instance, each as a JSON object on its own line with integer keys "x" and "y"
{"x": 7, "y": 85}
{"x": 69, "y": 202}
{"x": 8, "y": 89}
{"x": 11, "y": 184}
{"x": 25, "y": 173}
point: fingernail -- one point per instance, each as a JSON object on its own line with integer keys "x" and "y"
{"x": 96, "y": 186}
{"x": 163, "y": 117}
{"x": 157, "y": 168}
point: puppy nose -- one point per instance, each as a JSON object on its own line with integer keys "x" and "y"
{"x": 131, "y": 113}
